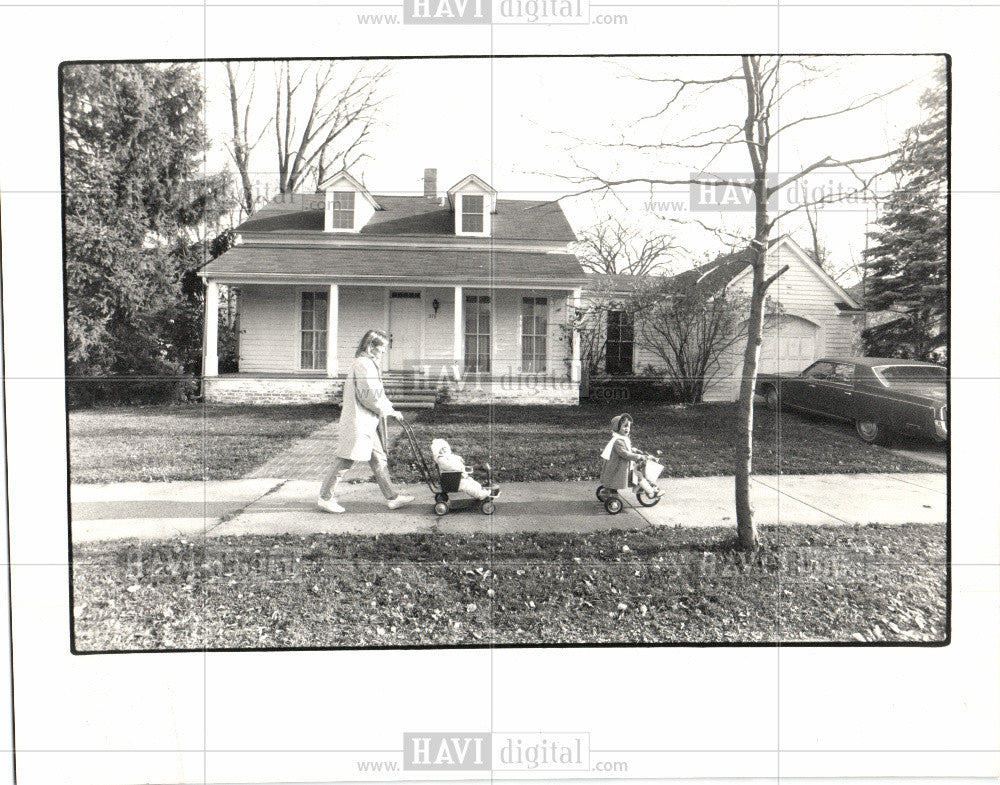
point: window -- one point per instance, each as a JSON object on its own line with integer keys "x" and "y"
{"x": 819, "y": 371}
{"x": 844, "y": 373}
{"x": 314, "y": 316}
{"x": 893, "y": 375}
{"x": 472, "y": 214}
{"x": 477, "y": 334}
{"x": 534, "y": 333}
{"x": 619, "y": 347}
{"x": 343, "y": 209}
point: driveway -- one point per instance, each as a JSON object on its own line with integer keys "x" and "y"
{"x": 924, "y": 450}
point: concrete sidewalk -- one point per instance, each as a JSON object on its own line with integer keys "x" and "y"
{"x": 276, "y": 506}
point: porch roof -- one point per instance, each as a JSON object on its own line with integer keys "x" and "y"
{"x": 394, "y": 265}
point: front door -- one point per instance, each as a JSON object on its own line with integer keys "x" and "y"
{"x": 405, "y": 327}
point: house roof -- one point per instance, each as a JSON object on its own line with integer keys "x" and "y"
{"x": 393, "y": 264}
{"x": 407, "y": 216}
{"x": 343, "y": 174}
{"x": 727, "y": 267}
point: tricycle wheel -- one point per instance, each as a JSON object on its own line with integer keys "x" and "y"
{"x": 441, "y": 497}
{"x": 645, "y": 499}
{"x": 613, "y": 505}
{"x": 441, "y": 508}
{"x": 487, "y": 507}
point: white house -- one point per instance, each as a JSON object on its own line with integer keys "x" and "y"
{"x": 475, "y": 292}
{"x": 818, "y": 318}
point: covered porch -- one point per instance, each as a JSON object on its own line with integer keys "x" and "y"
{"x": 470, "y": 343}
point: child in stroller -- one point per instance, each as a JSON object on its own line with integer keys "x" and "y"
{"x": 447, "y": 461}
{"x": 620, "y": 469}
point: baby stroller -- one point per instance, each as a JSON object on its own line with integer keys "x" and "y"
{"x": 442, "y": 483}
{"x": 651, "y": 469}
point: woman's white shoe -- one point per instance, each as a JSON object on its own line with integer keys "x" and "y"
{"x": 330, "y": 505}
{"x": 398, "y": 502}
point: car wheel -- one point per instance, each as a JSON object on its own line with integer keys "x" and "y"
{"x": 441, "y": 497}
{"x": 771, "y": 399}
{"x": 441, "y": 508}
{"x": 602, "y": 493}
{"x": 613, "y": 505}
{"x": 487, "y": 507}
{"x": 871, "y": 432}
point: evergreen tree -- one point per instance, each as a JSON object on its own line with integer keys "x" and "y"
{"x": 906, "y": 268}
{"x": 136, "y": 201}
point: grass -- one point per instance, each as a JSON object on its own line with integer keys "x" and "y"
{"x": 184, "y": 442}
{"x": 807, "y": 583}
{"x": 564, "y": 442}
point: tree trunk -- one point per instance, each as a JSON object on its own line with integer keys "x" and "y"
{"x": 746, "y": 527}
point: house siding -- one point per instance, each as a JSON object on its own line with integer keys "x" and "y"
{"x": 269, "y": 321}
{"x": 800, "y": 293}
{"x": 268, "y": 325}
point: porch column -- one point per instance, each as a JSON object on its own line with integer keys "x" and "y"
{"x": 210, "y": 350}
{"x": 332, "y": 319}
{"x": 458, "y": 351}
{"x": 574, "y": 365}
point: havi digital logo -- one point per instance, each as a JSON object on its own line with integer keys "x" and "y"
{"x": 443, "y": 12}
{"x": 484, "y": 12}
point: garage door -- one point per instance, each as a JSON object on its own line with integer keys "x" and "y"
{"x": 789, "y": 345}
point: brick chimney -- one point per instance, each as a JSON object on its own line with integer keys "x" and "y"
{"x": 430, "y": 183}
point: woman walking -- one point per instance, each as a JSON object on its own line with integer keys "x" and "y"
{"x": 365, "y": 406}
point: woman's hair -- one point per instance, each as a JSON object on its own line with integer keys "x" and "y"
{"x": 371, "y": 338}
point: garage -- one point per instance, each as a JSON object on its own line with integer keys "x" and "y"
{"x": 789, "y": 344}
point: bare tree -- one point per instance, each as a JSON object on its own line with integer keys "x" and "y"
{"x": 821, "y": 254}
{"x": 240, "y": 148}
{"x": 690, "y": 329}
{"x": 754, "y": 125}
{"x": 611, "y": 248}
{"x": 340, "y": 117}
{"x": 322, "y": 115}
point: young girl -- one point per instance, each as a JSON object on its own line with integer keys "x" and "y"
{"x": 618, "y": 458}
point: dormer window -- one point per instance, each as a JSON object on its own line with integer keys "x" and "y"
{"x": 473, "y": 202}
{"x": 472, "y": 214}
{"x": 343, "y": 209}
{"x": 347, "y": 204}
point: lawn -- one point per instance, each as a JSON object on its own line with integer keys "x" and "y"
{"x": 564, "y": 442}
{"x": 184, "y": 442}
{"x": 807, "y": 583}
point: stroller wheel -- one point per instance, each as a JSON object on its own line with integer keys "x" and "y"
{"x": 487, "y": 507}
{"x": 645, "y": 499}
{"x": 613, "y": 505}
{"x": 441, "y": 497}
{"x": 441, "y": 508}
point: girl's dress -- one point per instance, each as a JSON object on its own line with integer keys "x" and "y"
{"x": 618, "y": 456}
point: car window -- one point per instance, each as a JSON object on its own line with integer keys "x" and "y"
{"x": 844, "y": 373}
{"x": 902, "y": 374}
{"x": 819, "y": 371}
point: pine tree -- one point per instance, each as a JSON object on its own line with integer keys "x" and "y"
{"x": 136, "y": 201}
{"x": 907, "y": 267}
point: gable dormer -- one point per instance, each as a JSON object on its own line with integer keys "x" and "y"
{"x": 473, "y": 202}
{"x": 348, "y": 205}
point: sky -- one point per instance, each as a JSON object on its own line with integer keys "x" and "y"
{"x": 532, "y": 126}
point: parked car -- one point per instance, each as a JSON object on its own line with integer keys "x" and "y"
{"x": 879, "y": 395}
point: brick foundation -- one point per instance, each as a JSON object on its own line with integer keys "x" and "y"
{"x": 508, "y": 390}
{"x": 259, "y": 391}
{"x": 264, "y": 392}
